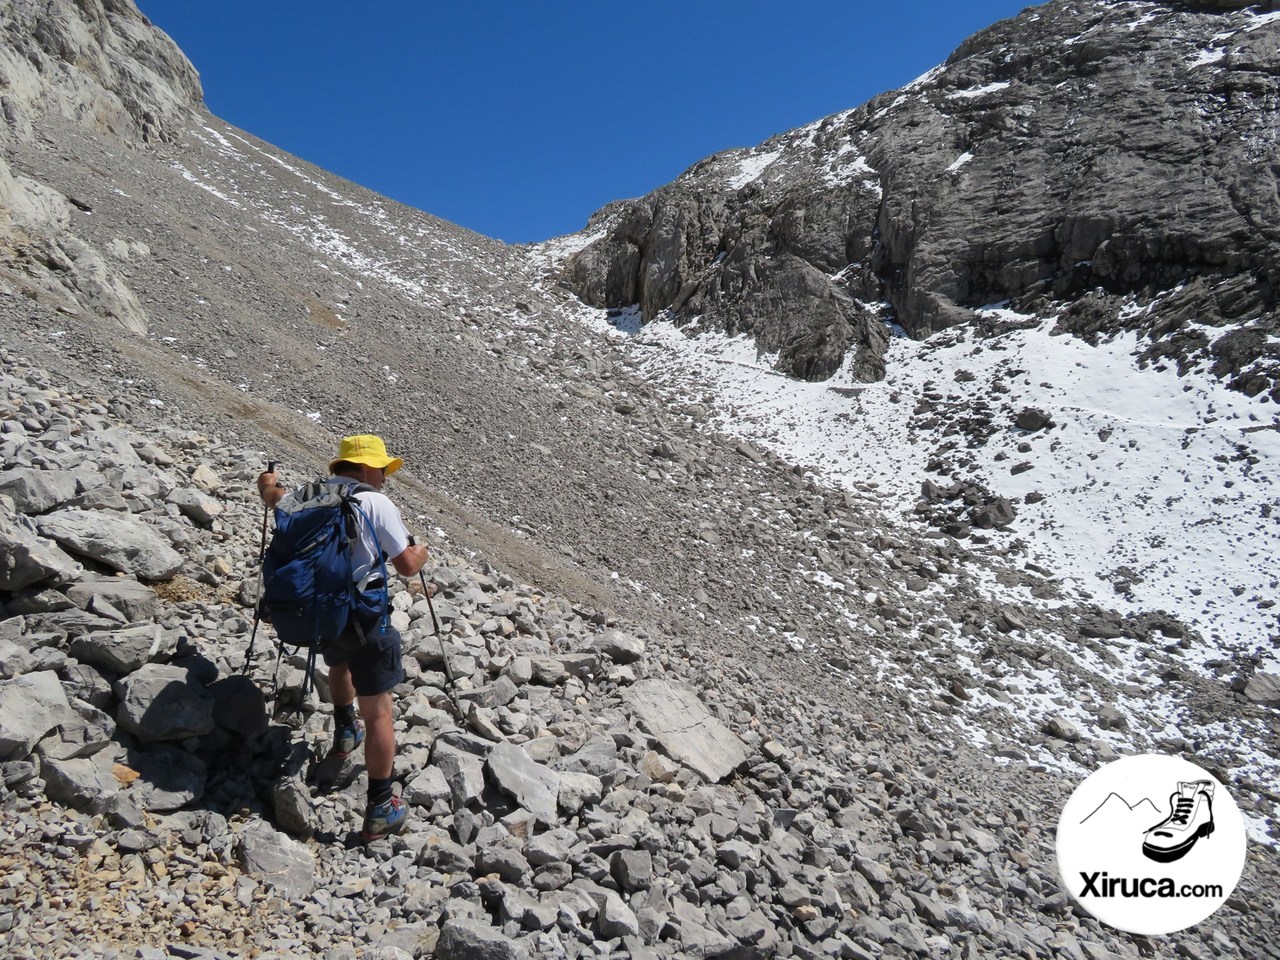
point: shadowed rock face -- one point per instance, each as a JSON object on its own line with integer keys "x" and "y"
{"x": 1117, "y": 152}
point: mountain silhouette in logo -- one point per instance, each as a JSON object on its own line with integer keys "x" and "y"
{"x": 1116, "y": 809}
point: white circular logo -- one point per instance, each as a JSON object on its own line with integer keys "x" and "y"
{"x": 1150, "y": 844}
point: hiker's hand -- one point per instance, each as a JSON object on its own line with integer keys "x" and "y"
{"x": 270, "y": 489}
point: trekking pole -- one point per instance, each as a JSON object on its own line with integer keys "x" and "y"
{"x": 257, "y": 600}
{"x": 444, "y": 654}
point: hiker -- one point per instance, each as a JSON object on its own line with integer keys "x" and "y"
{"x": 365, "y": 661}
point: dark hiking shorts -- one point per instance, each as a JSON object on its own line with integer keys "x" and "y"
{"x": 375, "y": 664}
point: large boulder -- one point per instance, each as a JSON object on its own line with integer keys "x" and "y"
{"x": 30, "y": 707}
{"x": 278, "y": 860}
{"x": 124, "y": 650}
{"x": 37, "y": 491}
{"x": 161, "y": 702}
{"x": 1264, "y": 688}
{"x": 168, "y": 778}
{"x": 463, "y": 939}
{"x": 123, "y": 543}
{"x": 135, "y": 600}
{"x": 685, "y": 728}
{"x": 26, "y": 558}
{"x": 85, "y": 783}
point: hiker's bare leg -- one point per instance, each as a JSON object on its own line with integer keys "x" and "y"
{"x": 341, "y": 688}
{"x": 380, "y": 735}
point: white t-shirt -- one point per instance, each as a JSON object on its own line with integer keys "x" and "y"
{"x": 388, "y": 535}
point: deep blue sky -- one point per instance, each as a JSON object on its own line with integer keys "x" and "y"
{"x": 520, "y": 119}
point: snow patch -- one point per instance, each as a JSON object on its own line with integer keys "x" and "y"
{"x": 977, "y": 91}
{"x": 751, "y": 167}
{"x": 1259, "y": 20}
{"x": 1205, "y": 57}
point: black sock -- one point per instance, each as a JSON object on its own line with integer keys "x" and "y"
{"x": 379, "y": 790}
{"x": 344, "y": 716}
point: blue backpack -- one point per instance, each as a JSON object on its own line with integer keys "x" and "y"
{"x": 308, "y": 591}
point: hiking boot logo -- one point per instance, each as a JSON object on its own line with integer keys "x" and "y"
{"x": 1140, "y": 864}
{"x": 1190, "y": 818}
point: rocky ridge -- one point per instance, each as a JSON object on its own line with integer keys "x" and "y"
{"x": 1102, "y": 161}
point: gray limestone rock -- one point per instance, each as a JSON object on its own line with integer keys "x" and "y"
{"x": 463, "y": 772}
{"x": 14, "y": 660}
{"x": 168, "y": 778}
{"x": 1062, "y": 729}
{"x": 1264, "y": 688}
{"x": 463, "y": 939}
{"x": 27, "y": 558}
{"x": 196, "y": 504}
{"x": 619, "y": 647}
{"x": 84, "y": 783}
{"x": 632, "y": 869}
{"x": 84, "y": 733}
{"x": 532, "y": 785}
{"x": 504, "y": 859}
{"x": 37, "y": 491}
{"x": 160, "y": 702}
{"x": 577, "y": 790}
{"x": 441, "y": 853}
{"x": 426, "y": 787}
{"x": 684, "y": 727}
{"x": 278, "y": 860}
{"x": 30, "y": 707}
{"x": 240, "y": 706}
{"x": 125, "y": 650}
{"x": 597, "y": 757}
{"x": 120, "y": 542}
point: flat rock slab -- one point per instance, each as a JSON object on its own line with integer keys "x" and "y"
{"x": 684, "y": 727}
{"x": 135, "y": 600}
{"x": 121, "y": 542}
{"x": 278, "y": 860}
{"x": 532, "y": 785}
{"x": 121, "y": 651}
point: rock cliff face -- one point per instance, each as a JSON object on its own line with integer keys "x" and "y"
{"x": 101, "y": 65}
{"x": 1115, "y": 162}
{"x": 98, "y": 62}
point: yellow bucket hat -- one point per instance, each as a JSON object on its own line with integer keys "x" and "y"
{"x": 367, "y": 449}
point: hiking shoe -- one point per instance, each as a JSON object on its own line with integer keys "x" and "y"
{"x": 1190, "y": 818}
{"x": 384, "y": 819}
{"x": 346, "y": 739}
